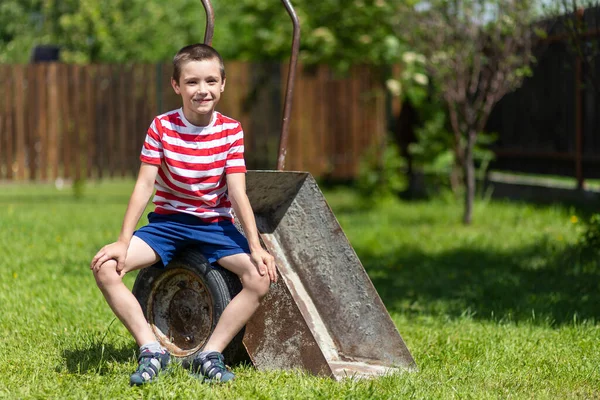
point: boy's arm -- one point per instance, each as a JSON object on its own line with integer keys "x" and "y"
{"x": 144, "y": 187}
{"x": 236, "y": 188}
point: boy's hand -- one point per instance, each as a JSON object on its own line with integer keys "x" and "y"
{"x": 265, "y": 263}
{"x": 115, "y": 251}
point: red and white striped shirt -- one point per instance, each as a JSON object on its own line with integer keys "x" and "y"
{"x": 193, "y": 163}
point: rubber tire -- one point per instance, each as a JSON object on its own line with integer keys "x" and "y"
{"x": 222, "y": 284}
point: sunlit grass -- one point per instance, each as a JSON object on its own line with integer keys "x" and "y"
{"x": 500, "y": 309}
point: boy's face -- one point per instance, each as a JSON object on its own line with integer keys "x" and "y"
{"x": 200, "y": 86}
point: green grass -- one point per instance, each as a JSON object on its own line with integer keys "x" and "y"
{"x": 501, "y": 309}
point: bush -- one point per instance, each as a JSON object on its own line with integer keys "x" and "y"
{"x": 381, "y": 172}
{"x": 433, "y": 151}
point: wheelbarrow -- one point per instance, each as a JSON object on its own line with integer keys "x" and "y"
{"x": 323, "y": 316}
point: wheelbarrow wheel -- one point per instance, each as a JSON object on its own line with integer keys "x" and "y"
{"x": 183, "y": 302}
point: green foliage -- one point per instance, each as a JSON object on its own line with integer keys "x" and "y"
{"x": 381, "y": 173}
{"x": 482, "y": 155}
{"x": 413, "y": 83}
{"x": 334, "y": 32}
{"x": 100, "y": 31}
{"x": 20, "y": 28}
{"x": 124, "y": 30}
{"x": 433, "y": 150}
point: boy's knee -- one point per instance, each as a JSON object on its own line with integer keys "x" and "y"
{"x": 265, "y": 284}
{"x": 107, "y": 275}
{"x": 259, "y": 285}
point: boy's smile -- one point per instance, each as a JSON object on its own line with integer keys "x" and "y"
{"x": 200, "y": 86}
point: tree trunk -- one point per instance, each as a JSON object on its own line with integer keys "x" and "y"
{"x": 469, "y": 169}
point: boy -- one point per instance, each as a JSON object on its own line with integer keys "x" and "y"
{"x": 194, "y": 157}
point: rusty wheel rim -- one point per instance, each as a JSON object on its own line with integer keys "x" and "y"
{"x": 180, "y": 311}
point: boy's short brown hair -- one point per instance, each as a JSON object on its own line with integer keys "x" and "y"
{"x": 195, "y": 52}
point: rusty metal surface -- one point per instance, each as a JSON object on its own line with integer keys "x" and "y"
{"x": 277, "y": 336}
{"x": 323, "y": 275}
{"x": 180, "y": 310}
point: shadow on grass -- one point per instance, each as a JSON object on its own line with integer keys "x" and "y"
{"x": 536, "y": 282}
{"x": 96, "y": 357}
{"x": 582, "y": 209}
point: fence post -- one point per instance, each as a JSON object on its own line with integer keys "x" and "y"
{"x": 19, "y": 85}
{"x": 159, "y": 90}
{"x": 579, "y": 113}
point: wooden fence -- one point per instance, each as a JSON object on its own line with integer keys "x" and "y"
{"x": 73, "y": 122}
{"x": 551, "y": 125}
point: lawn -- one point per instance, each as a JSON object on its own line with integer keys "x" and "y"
{"x": 500, "y": 309}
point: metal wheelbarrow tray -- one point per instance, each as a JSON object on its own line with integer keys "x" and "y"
{"x": 323, "y": 316}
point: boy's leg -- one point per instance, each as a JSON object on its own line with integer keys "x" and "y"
{"x": 210, "y": 362}
{"x": 120, "y": 299}
{"x": 242, "y": 307}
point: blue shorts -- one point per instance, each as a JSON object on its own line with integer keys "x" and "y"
{"x": 169, "y": 233}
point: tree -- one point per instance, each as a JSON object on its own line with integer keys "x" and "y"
{"x": 476, "y": 51}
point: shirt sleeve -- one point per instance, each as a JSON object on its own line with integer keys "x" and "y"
{"x": 235, "y": 156}
{"x": 152, "y": 150}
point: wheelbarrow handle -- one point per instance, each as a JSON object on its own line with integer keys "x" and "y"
{"x": 210, "y": 22}
{"x": 287, "y": 109}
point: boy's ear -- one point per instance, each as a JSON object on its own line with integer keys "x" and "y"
{"x": 175, "y": 86}
{"x": 223, "y": 84}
